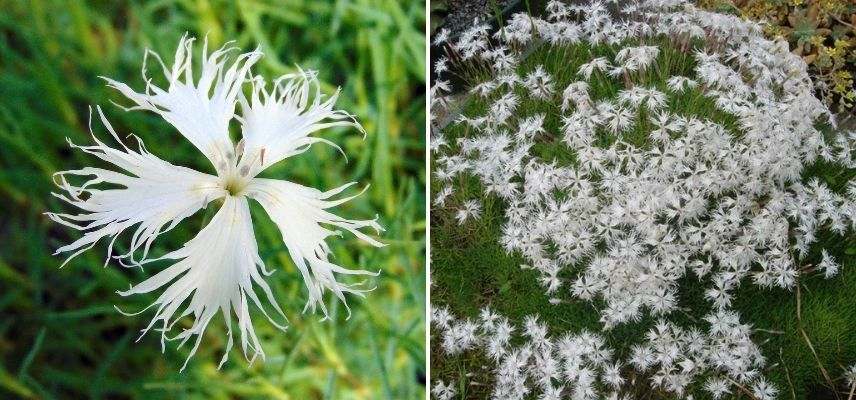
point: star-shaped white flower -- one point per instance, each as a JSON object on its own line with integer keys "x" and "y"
{"x": 219, "y": 269}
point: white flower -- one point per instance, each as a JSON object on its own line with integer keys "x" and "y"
{"x": 764, "y": 390}
{"x": 219, "y": 269}
{"x": 828, "y": 265}
{"x": 850, "y": 375}
{"x": 681, "y": 83}
{"x": 442, "y": 195}
{"x": 441, "y": 391}
{"x": 551, "y": 393}
{"x": 441, "y": 37}
{"x": 471, "y": 209}
{"x": 576, "y": 93}
{"x": 717, "y": 387}
{"x": 598, "y": 64}
{"x": 539, "y": 83}
{"x": 612, "y": 375}
{"x": 637, "y": 58}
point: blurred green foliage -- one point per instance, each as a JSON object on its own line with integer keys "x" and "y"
{"x": 60, "y": 336}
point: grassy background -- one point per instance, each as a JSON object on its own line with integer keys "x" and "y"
{"x": 470, "y": 269}
{"x": 59, "y": 334}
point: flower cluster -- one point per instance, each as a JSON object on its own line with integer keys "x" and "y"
{"x": 582, "y": 366}
{"x": 654, "y": 189}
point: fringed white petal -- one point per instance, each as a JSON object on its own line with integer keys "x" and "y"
{"x": 278, "y": 123}
{"x": 200, "y": 110}
{"x": 299, "y": 212}
{"x": 154, "y": 194}
{"x": 215, "y": 271}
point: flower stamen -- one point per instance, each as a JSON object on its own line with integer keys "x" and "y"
{"x": 235, "y": 186}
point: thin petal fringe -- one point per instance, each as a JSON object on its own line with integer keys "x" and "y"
{"x": 277, "y": 123}
{"x": 200, "y": 110}
{"x": 299, "y": 212}
{"x": 155, "y": 195}
{"x": 216, "y": 271}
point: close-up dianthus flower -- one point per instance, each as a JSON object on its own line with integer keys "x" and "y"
{"x": 219, "y": 270}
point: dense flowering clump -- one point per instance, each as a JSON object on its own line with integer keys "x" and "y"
{"x": 683, "y": 136}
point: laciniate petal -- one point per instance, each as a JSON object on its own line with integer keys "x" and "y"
{"x": 150, "y": 193}
{"x": 199, "y": 109}
{"x": 215, "y": 271}
{"x": 299, "y": 212}
{"x": 277, "y": 124}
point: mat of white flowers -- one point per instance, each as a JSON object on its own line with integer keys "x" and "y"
{"x": 631, "y": 151}
{"x": 219, "y": 270}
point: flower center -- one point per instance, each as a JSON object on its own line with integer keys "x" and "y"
{"x": 235, "y": 186}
